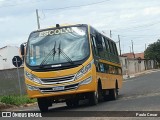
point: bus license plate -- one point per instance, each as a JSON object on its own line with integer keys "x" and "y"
{"x": 58, "y": 88}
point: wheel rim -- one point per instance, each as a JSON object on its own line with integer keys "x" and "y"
{"x": 96, "y": 96}
{"x": 115, "y": 93}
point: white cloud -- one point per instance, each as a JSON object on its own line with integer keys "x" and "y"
{"x": 152, "y": 11}
{"x": 128, "y": 16}
{"x": 113, "y": 15}
{"x": 5, "y": 19}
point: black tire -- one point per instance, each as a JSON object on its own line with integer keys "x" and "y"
{"x": 43, "y": 104}
{"x": 93, "y": 98}
{"x": 96, "y": 96}
{"x": 113, "y": 94}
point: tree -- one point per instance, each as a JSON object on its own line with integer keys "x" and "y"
{"x": 153, "y": 51}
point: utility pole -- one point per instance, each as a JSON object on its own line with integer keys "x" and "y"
{"x": 38, "y": 23}
{"x": 130, "y": 49}
{"x": 133, "y": 49}
{"x": 110, "y": 34}
{"x": 119, "y": 45}
{"x": 145, "y": 47}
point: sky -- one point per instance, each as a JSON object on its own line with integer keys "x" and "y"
{"x": 132, "y": 20}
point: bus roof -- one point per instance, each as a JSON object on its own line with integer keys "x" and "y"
{"x": 67, "y": 25}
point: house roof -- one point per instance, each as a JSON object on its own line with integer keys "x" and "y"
{"x": 131, "y": 55}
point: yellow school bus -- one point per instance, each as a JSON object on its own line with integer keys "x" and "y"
{"x": 71, "y": 63}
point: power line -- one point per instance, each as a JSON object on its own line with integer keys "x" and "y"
{"x": 29, "y": 2}
{"x": 77, "y": 5}
{"x": 139, "y": 35}
{"x": 140, "y": 26}
{"x": 5, "y": 0}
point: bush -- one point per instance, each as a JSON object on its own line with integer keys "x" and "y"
{"x": 16, "y": 100}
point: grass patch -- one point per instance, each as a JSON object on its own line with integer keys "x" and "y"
{"x": 16, "y": 100}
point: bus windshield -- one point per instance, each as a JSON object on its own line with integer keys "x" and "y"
{"x": 56, "y": 46}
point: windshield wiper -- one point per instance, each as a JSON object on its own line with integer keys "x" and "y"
{"x": 52, "y": 52}
{"x": 60, "y": 51}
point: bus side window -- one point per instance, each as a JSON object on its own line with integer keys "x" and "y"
{"x": 100, "y": 46}
{"x": 105, "y": 49}
{"x": 103, "y": 44}
{"x": 107, "y": 68}
{"x": 111, "y": 69}
{"x": 115, "y": 49}
{"x": 107, "y": 45}
{"x": 102, "y": 68}
{"x": 120, "y": 71}
{"x": 116, "y": 70}
{"x": 94, "y": 46}
{"x": 116, "y": 53}
{"x": 111, "y": 47}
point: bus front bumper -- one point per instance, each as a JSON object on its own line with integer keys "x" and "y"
{"x": 85, "y": 86}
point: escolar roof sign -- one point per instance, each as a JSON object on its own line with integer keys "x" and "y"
{"x": 55, "y": 32}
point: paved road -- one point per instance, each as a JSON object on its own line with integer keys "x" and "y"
{"x": 138, "y": 94}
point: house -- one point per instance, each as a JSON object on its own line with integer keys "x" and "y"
{"x": 134, "y": 55}
{"x": 6, "y": 55}
{"x": 135, "y": 62}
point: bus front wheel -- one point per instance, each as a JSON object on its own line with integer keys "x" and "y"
{"x": 43, "y": 104}
{"x": 93, "y": 98}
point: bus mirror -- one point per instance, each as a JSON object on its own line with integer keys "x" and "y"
{"x": 22, "y": 49}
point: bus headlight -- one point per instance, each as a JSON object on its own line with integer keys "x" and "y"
{"x": 83, "y": 71}
{"x": 32, "y": 77}
{"x": 29, "y": 87}
{"x": 86, "y": 81}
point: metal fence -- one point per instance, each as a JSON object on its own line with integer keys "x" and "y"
{"x": 9, "y": 84}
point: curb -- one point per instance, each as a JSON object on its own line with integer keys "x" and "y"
{"x": 141, "y": 73}
{"x": 4, "y": 106}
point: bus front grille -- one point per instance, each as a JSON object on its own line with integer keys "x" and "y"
{"x": 58, "y": 80}
{"x": 67, "y": 87}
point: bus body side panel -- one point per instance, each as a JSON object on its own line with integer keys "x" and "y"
{"x": 108, "y": 80}
{"x": 105, "y": 80}
{"x": 113, "y": 81}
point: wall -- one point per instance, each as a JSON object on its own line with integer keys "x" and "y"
{"x": 124, "y": 64}
{"x": 7, "y": 53}
{"x": 9, "y": 83}
{"x": 1, "y": 62}
{"x": 131, "y": 66}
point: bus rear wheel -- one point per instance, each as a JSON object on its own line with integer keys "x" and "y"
{"x": 113, "y": 93}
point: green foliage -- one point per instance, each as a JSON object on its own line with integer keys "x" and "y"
{"x": 153, "y": 51}
{"x": 16, "y": 100}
